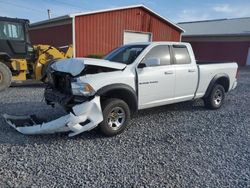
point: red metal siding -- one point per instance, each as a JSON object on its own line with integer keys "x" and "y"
{"x": 222, "y": 51}
{"x": 100, "y": 33}
{"x": 56, "y": 36}
{"x": 164, "y": 32}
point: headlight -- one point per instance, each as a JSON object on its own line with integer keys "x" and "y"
{"x": 83, "y": 89}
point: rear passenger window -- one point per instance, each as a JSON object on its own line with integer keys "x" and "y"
{"x": 181, "y": 55}
{"x": 161, "y": 52}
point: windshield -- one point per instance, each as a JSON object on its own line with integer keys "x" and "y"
{"x": 11, "y": 31}
{"x": 126, "y": 54}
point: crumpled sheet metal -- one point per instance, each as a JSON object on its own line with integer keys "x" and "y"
{"x": 90, "y": 111}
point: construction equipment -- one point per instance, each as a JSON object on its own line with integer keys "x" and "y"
{"x": 19, "y": 60}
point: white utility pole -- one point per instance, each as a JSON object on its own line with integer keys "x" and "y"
{"x": 49, "y": 13}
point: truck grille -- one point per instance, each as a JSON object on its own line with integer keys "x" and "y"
{"x": 61, "y": 82}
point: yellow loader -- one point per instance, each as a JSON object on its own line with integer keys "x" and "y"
{"x": 19, "y": 60}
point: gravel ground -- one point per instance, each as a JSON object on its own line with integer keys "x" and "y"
{"x": 181, "y": 145}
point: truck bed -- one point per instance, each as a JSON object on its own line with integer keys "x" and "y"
{"x": 207, "y": 70}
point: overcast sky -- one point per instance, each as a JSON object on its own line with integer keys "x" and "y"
{"x": 177, "y": 11}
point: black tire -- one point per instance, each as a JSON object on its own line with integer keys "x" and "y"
{"x": 109, "y": 108}
{"x": 216, "y": 97}
{"x": 5, "y": 77}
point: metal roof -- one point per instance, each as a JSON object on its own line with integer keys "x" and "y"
{"x": 18, "y": 20}
{"x": 222, "y": 27}
{"x": 52, "y": 20}
{"x": 102, "y": 11}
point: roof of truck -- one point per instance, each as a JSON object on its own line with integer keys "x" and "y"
{"x": 159, "y": 43}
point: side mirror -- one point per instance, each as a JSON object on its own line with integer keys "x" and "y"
{"x": 152, "y": 62}
{"x": 141, "y": 65}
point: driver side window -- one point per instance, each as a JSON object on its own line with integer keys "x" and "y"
{"x": 160, "y": 52}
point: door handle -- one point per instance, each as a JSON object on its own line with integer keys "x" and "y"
{"x": 191, "y": 70}
{"x": 169, "y": 72}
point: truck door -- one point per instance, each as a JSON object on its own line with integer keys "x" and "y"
{"x": 156, "y": 81}
{"x": 186, "y": 73}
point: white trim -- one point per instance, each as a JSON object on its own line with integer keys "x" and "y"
{"x": 74, "y": 36}
{"x": 127, "y": 7}
{"x": 248, "y": 57}
{"x": 181, "y": 36}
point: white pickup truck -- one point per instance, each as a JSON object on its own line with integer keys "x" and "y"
{"x": 107, "y": 92}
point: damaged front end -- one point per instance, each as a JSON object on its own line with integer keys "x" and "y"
{"x": 83, "y": 117}
{"x": 79, "y": 99}
{"x": 64, "y": 87}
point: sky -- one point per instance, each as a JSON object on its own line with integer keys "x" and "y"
{"x": 176, "y": 11}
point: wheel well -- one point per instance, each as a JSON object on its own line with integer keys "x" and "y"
{"x": 224, "y": 81}
{"x": 221, "y": 79}
{"x": 123, "y": 94}
{"x": 5, "y": 59}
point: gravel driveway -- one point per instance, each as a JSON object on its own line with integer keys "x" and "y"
{"x": 181, "y": 145}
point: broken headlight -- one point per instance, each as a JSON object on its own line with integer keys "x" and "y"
{"x": 82, "y": 89}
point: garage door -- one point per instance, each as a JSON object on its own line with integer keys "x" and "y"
{"x": 130, "y": 37}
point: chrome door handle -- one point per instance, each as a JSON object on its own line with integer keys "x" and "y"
{"x": 191, "y": 70}
{"x": 169, "y": 72}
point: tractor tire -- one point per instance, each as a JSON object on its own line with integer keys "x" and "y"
{"x": 5, "y": 77}
{"x": 116, "y": 117}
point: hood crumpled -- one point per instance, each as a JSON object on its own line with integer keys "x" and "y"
{"x": 75, "y": 66}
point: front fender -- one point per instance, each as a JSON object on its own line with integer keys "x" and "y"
{"x": 121, "y": 91}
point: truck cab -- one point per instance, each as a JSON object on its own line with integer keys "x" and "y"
{"x": 170, "y": 71}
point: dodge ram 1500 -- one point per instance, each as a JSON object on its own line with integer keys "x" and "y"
{"x": 107, "y": 92}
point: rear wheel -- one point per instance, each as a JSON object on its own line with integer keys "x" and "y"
{"x": 5, "y": 77}
{"x": 116, "y": 117}
{"x": 215, "y": 98}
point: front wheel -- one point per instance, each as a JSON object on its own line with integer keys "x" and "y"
{"x": 116, "y": 117}
{"x": 216, "y": 97}
{"x": 5, "y": 77}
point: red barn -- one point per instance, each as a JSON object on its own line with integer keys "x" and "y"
{"x": 99, "y": 32}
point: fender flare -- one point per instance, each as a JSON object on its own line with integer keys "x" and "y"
{"x": 213, "y": 81}
{"x": 125, "y": 92}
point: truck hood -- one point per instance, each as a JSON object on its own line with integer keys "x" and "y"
{"x": 75, "y": 66}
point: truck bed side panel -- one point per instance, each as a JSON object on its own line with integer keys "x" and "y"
{"x": 209, "y": 71}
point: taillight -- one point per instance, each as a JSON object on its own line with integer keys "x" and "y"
{"x": 237, "y": 73}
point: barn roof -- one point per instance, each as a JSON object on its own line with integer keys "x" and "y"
{"x": 222, "y": 27}
{"x": 69, "y": 16}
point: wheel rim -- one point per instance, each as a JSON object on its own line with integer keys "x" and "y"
{"x": 1, "y": 77}
{"x": 218, "y": 96}
{"x": 116, "y": 118}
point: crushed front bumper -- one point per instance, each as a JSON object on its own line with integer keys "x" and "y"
{"x": 83, "y": 117}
